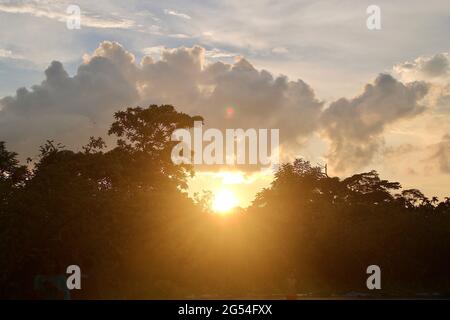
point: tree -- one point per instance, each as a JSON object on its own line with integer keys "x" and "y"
{"x": 145, "y": 134}
{"x": 92, "y": 208}
{"x": 123, "y": 215}
{"x": 12, "y": 174}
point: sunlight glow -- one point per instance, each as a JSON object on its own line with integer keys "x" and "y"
{"x": 224, "y": 201}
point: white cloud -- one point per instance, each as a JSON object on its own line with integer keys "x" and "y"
{"x": 217, "y": 54}
{"x": 10, "y": 55}
{"x": 433, "y": 69}
{"x": 5, "y": 53}
{"x": 179, "y": 36}
{"x": 177, "y": 14}
{"x": 58, "y": 13}
{"x": 154, "y": 52}
{"x": 430, "y": 68}
{"x": 280, "y": 50}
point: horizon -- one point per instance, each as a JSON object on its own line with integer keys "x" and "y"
{"x": 237, "y": 83}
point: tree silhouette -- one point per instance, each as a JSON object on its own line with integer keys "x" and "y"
{"x": 12, "y": 175}
{"x": 123, "y": 215}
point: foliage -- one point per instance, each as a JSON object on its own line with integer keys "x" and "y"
{"x": 124, "y": 217}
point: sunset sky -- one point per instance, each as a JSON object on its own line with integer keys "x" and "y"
{"x": 340, "y": 94}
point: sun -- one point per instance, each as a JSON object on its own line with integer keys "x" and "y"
{"x": 224, "y": 201}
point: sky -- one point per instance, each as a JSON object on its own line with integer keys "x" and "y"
{"x": 340, "y": 94}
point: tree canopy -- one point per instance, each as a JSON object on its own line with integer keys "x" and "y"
{"x": 123, "y": 215}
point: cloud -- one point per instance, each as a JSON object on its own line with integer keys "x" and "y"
{"x": 58, "y": 12}
{"x": 400, "y": 150}
{"x": 425, "y": 68}
{"x": 177, "y": 14}
{"x": 355, "y": 126}
{"x": 280, "y": 50}
{"x": 435, "y": 70}
{"x": 394, "y": 158}
{"x": 156, "y": 52}
{"x": 6, "y": 53}
{"x": 110, "y": 79}
{"x": 70, "y": 109}
{"x": 11, "y": 56}
{"x": 440, "y": 157}
{"x": 185, "y": 78}
{"x": 178, "y": 36}
{"x": 219, "y": 54}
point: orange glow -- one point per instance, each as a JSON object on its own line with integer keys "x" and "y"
{"x": 224, "y": 201}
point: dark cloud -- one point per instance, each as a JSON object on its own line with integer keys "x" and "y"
{"x": 354, "y": 127}
{"x": 65, "y": 108}
{"x": 70, "y": 109}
